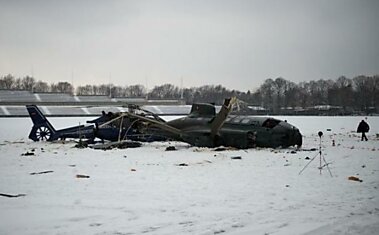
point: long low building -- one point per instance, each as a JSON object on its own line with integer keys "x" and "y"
{"x": 12, "y": 104}
{"x": 75, "y": 111}
{"x": 20, "y": 97}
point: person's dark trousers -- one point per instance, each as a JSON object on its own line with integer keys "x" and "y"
{"x": 364, "y": 137}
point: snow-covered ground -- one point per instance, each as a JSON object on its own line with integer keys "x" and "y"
{"x": 192, "y": 190}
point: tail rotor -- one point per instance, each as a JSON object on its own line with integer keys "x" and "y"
{"x": 42, "y": 129}
{"x": 43, "y": 133}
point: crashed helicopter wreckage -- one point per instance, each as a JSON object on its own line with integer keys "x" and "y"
{"x": 201, "y": 128}
{"x": 106, "y": 127}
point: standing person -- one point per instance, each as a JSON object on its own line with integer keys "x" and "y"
{"x": 363, "y": 127}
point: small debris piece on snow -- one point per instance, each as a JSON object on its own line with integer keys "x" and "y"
{"x": 236, "y": 158}
{"x": 307, "y": 158}
{"x": 183, "y": 164}
{"x": 133, "y": 169}
{"x": 170, "y": 148}
{"x": 41, "y": 172}
{"x": 28, "y": 154}
{"x": 219, "y": 231}
{"x": 354, "y": 178}
{"x": 219, "y": 149}
{"x": 81, "y": 144}
{"x": 82, "y": 176}
{"x": 120, "y": 145}
{"x": 12, "y": 195}
{"x": 17, "y": 142}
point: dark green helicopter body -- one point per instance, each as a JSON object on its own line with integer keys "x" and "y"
{"x": 239, "y": 132}
{"x": 204, "y": 128}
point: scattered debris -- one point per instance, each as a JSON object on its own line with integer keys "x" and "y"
{"x": 28, "y": 154}
{"x": 363, "y": 166}
{"x": 81, "y": 144}
{"x": 182, "y": 164}
{"x": 82, "y": 176}
{"x": 12, "y": 195}
{"x": 219, "y": 231}
{"x": 307, "y": 158}
{"x": 95, "y": 224}
{"x": 224, "y": 149}
{"x": 293, "y": 152}
{"x": 354, "y": 178}
{"x": 120, "y": 145}
{"x": 72, "y": 165}
{"x": 41, "y": 172}
{"x": 170, "y": 148}
{"x": 17, "y": 142}
{"x": 133, "y": 169}
{"x": 236, "y": 158}
{"x": 287, "y": 164}
{"x": 287, "y": 185}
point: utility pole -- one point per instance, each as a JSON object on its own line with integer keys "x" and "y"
{"x": 181, "y": 88}
{"x": 147, "y": 89}
{"x": 110, "y": 86}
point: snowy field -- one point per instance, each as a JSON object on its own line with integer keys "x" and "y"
{"x": 192, "y": 190}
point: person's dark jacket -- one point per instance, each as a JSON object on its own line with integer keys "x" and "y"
{"x": 363, "y": 127}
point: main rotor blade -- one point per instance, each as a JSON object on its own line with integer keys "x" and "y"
{"x": 220, "y": 118}
{"x": 160, "y": 125}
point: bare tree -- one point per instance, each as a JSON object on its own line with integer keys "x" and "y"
{"x": 168, "y": 91}
{"x": 41, "y": 86}
{"x": 7, "y": 82}
{"x": 27, "y": 83}
{"x": 135, "y": 91}
{"x": 62, "y": 87}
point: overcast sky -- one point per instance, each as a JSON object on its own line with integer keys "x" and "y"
{"x": 237, "y": 44}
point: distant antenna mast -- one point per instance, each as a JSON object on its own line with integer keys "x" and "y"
{"x": 110, "y": 86}
{"x": 181, "y": 88}
{"x": 147, "y": 89}
{"x": 72, "y": 80}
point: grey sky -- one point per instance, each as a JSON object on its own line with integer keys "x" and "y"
{"x": 237, "y": 44}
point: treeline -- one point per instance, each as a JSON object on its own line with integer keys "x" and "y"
{"x": 29, "y": 83}
{"x": 360, "y": 93}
